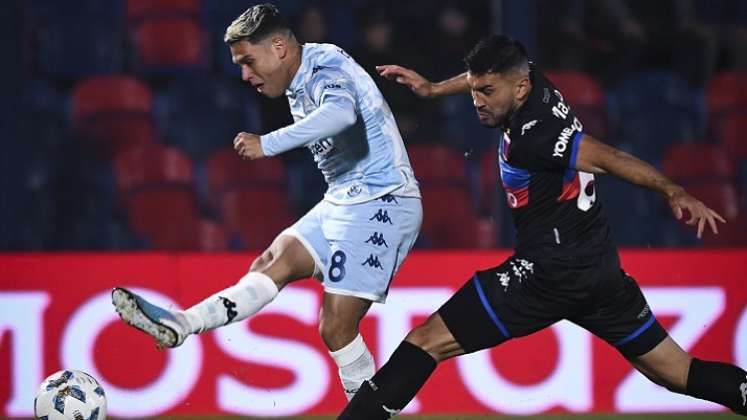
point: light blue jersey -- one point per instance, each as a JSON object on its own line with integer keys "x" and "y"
{"x": 365, "y": 158}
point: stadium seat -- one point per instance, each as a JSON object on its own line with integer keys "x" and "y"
{"x": 138, "y": 10}
{"x": 721, "y": 196}
{"x": 112, "y": 113}
{"x": 211, "y": 236}
{"x": 490, "y": 183}
{"x": 166, "y": 47}
{"x": 578, "y": 89}
{"x": 226, "y": 170}
{"x": 448, "y": 217}
{"x": 166, "y": 216}
{"x": 733, "y": 134}
{"x": 202, "y": 114}
{"x": 732, "y": 234}
{"x": 152, "y": 166}
{"x": 110, "y": 94}
{"x": 258, "y": 215}
{"x": 74, "y": 42}
{"x": 435, "y": 163}
{"x": 155, "y": 185}
{"x": 697, "y": 162}
{"x": 727, "y": 92}
{"x": 586, "y": 98}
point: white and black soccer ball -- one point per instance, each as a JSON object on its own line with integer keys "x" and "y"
{"x": 70, "y": 395}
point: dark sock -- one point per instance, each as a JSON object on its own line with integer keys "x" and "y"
{"x": 393, "y": 386}
{"x": 718, "y": 382}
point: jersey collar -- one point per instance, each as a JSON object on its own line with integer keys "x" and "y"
{"x": 297, "y": 82}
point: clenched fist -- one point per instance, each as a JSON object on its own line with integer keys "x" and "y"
{"x": 248, "y": 145}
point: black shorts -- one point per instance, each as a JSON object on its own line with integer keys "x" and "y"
{"x": 520, "y": 297}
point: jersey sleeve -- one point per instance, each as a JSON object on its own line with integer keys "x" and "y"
{"x": 328, "y": 81}
{"x": 549, "y": 142}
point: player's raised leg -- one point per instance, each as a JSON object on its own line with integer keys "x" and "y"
{"x": 284, "y": 261}
{"x": 671, "y": 367}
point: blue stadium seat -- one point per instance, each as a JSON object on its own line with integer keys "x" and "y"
{"x": 200, "y": 116}
{"x": 652, "y": 110}
{"x": 80, "y": 40}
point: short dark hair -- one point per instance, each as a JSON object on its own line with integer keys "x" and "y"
{"x": 257, "y": 23}
{"x": 496, "y": 54}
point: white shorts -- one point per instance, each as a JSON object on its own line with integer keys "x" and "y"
{"x": 358, "y": 248}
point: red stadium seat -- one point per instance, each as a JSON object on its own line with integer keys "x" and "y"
{"x": 153, "y": 166}
{"x": 586, "y": 98}
{"x": 578, "y": 89}
{"x": 257, "y": 214}
{"x": 448, "y": 217}
{"x": 210, "y": 236}
{"x": 696, "y": 162}
{"x": 113, "y": 113}
{"x": 137, "y": 10}
{"x": 166, "y": 44}
{"x": 727, "y": 92}
{"x": 490, "y": 182}
{"x": 436, "y": 164}
{"x": 733, "y": 134}
{"x": 734, "y": 233}
{"x": 721, "y": 196}
{"x": 166, "y": 216}
{"x": 225, "y": 170}
{"x": 110, "y": 94}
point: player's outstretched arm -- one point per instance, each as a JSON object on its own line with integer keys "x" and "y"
{"x": 599, "y": 158}
{"x": 422, "y": 86}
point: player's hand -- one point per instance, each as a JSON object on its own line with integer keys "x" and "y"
{"x": 417, "y": 83}
{"x": 699, "y": 213}
{"x": 248, "y": 145}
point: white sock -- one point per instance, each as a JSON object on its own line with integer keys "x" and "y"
{"x": 356, "y": 365}
{"x": 242, "y": 300}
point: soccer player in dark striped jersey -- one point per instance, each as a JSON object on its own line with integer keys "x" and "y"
{"x": 565, "y": 265}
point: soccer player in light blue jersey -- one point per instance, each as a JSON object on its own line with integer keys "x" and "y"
{"x": 356, "y": 238}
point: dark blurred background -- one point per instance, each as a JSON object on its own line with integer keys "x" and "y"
{"x": 118, "y": 116}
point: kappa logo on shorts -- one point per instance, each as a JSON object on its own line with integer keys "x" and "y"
{"x": 505, "y": 279}
{"x": 382, "y": 216}
{"x": 743, "y": 390}
{"x": 389, "y": 198}
{"x": 373, "y": 261}
{"x": 377, "y": 239}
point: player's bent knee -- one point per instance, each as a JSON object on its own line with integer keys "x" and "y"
{"x": 337, "y": 332}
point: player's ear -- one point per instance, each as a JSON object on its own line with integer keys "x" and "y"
{"x": 522, "y": 87}
{"x": 279, "y": 46}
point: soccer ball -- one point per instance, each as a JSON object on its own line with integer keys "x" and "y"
{"x": 70, "y": 395}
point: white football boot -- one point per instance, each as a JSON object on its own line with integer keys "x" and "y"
{"x": 168, "y": 328}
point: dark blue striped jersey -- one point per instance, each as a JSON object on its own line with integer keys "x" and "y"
{"x": 554, "y": 206}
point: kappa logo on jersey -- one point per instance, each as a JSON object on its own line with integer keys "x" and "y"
{"x": 377, "y": 239}
{"x": 565, "y": 136}
{"x": 373, "y": 261}
{"x": 528, "y": 126}
{"x": 382, "y": 216}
